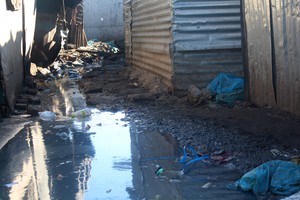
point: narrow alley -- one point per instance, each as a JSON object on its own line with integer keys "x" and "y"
{"x": 145, "y": 100}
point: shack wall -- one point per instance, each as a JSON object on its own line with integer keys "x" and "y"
{"x": 273, "y": 48}
{"x": 206, "y": 41}
{"x": 127, "y": 30}
{"x": 104, "y": 19}
{"x": 151, "y": 38}
{"x": 18, "y": 25}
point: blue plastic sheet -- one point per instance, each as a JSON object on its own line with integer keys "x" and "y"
{"x": 227, "y": 88}
{"x": 278, "y": 177}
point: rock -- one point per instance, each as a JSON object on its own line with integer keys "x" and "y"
{"x": 194, "y": 94}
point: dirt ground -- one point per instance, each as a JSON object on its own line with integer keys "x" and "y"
{"x": 244, "y": 136}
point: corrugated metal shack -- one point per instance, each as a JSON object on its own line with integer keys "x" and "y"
{"x": 184, "y": 42}
{"x": 52, "y": 17}
{"x": 17, "y": 19}
{"x": 23, "y": 22}
{"x": 103, "y": 20}
{"x": 273, "y": 46}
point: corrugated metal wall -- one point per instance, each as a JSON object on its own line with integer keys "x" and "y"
{"x": 286, "y": 20}
{"x": 206, "y": 41}
{"x": 273, "y": 53}
{"x": 151, "y": 37}
{"x": 258, "y": 25}
{"x": 127, "y": 28}
{"x": 103, "y": 19}
{"x": 14, "y": 47}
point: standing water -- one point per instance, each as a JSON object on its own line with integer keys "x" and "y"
{"x": 103, "y": 156}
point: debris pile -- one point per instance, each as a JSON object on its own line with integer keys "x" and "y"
{"x": 89, "y": 56}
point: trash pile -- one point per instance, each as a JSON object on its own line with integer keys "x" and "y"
{"x": 98, "y": 46}
{"x": 89, "y": 56}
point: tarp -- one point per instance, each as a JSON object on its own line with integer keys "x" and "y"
{"x": 278, "y": 177}
{"x": 227, "y": 88}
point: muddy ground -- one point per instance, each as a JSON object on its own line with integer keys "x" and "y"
{"x": 246, "y": 134}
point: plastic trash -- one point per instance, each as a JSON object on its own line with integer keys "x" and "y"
{"x": 195, "y": 156}
{"x": 169, "y": 174}
{"x": 47, "y": 116}
{"x": 227, "y": 88}
{"x": 9, "y": 185}
{"x": 278, "y": 177}
{"x": 82, "y": 113}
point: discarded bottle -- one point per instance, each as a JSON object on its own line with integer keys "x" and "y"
{"x": 47, "y": 116}
{"x": 168, "y": 174}
{"x": 82, "y": 113}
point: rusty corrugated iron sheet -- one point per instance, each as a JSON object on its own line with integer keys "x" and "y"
{"x": 286, "y": 20}
{"x": 259, "y": 42}
{"x": 127, "y": 30}
{"x": 15, "y": 46}
{"x": 151, "y": 37}
{"x": 206, "y": 41}
{"x": 273, "y": 53}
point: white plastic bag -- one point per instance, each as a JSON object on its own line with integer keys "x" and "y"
{"x": 47, "y": 116}
{"x": 82, "y": 113}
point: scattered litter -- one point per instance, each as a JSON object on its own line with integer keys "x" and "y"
{"x": 216, "y": 153}
{"x": 67, "y": 162}
{"x": 278, "y": 177}
{"x": 60, "y": 177}
{"x": 207, "y": 185}
{"x": 227, "y": 88}
{"x": 159, "y": 171}
{"x": 9, "y": 185}
{"x": 63, "y": 135}
{"x": 195, "y": 156}
{"x": 59, "y": 127}
{"x": 88, "y": 127}
{"x": 82, "y": 113}
{"x": 47, "y": 116}
{"x": 277, "y": 152}
{"x": 168, "y": 174}
{"x": 109, "y": 191}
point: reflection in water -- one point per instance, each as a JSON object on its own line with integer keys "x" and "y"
{"x": 111, "y": 167}
{"x": 57, "y": 160}
{"x": 102, "y": 157}
{"x": 38, "y": 164}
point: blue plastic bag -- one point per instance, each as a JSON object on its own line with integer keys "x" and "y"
{"x": 278, "y": 177}
{"x": 227, "y": 88}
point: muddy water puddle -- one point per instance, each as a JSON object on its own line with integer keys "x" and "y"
{"x": 104, "y": 157}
